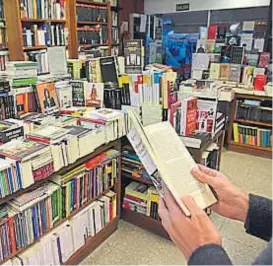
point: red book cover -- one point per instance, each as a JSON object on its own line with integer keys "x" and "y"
{"x": 191, "y": 116}
{"x": 260, "y": 82}
{"x": 43, "y": 172}
{"x": 264, "y": 60}
{"x": 212, "y": 32}
{"x": 12, "y": 235}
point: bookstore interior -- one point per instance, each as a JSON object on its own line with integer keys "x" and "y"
{"x": 98, "y": 99}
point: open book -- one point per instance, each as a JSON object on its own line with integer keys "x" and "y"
{"x": 167, "y": 160}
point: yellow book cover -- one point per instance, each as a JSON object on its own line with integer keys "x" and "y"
{"x": 235, "y": 132}
{"x": 214, "y": 71}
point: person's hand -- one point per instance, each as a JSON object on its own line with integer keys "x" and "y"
{"x": 232, "y": 201}
{"x": 187, "y": 233}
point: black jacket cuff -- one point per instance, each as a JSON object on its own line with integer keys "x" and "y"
{"x": 211, "y": 254}
{"x": 259, "y": 217}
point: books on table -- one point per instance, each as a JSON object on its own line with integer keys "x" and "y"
{"x": 167, "y": 161}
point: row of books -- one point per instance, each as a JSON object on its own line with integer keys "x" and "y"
{"x": 25, "y": 220}
{"x": 7, "y": 106}
{"x": 131, "y": 165}
{"x": 210, "y": 158}
{"x": 46, "y": 9}
{"x": 93, "y": 35}
{"x": 46, "y": 34}
{"x": 4, "y": 58}
{"x": 3, "y": 37}
{"x": 91, "y": 13}
{"x": 252, "y": 135}
{"x": 41, "y": 57}
{"x": 246, "y": 110}
{"x": 141, "y": 198}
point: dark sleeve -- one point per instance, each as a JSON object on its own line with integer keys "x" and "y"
{"x": 259, "y": 217}
{"x": 211, "y": 254}
{"x": 265, "y": 258}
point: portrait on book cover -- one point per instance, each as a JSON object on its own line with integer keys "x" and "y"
{"x": 47, "y": 97}
{"x": 94, "y": 95}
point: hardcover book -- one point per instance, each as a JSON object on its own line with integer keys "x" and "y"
{"x": 133, "y": 57}
{"x": 264, "y": 60}
{"x": 235, "y": 72}
{"x": 224, "y": 71}
{"x": 214, "y": 71}
{"x": 237, "y": 55}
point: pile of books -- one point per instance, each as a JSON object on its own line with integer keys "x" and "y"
{"x": 252, "y": 135}
{"x": 32, "y": 215}
{"x": 210, "y": 157}
{"x": 22, "y": 73}
{"x": 41, "y": 57}
{"x": 141, "y": 198}
{"x": 131, "y": 165}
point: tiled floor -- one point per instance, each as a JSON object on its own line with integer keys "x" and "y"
{"x": 132, "y": 245}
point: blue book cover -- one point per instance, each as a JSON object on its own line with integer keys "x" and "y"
{"x": 10, "y": 180}
{"x": 59, "y": 250}
{"x": 19, "y": 176}
{"x": 43, "y": 216}
{"x": 34, "y": 223}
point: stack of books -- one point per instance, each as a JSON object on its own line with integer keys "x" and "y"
{"x": 131, "y": 166}
{"x": 22, "y": 73}
{"x": 210, "y": 157}
{"x": 10, "y": 131}
{"x": 41, "y": 58}
{"x": 30, "y": 161}
{"x": 141, "y": 198}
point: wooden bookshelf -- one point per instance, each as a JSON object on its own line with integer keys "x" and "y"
{"x": 265, "y": 152}
{"x": 71, "y": 215}
{"x": 254, "y": 123}
{"x": 91, "y": 3}
{"x": 34, "y": 48}
{"x": 113, "y": 144}
{"x": 144, "y": 222}
{"x": 93, "y": 242}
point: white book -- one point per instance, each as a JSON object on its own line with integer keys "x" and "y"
{"x": 160, "y": 148}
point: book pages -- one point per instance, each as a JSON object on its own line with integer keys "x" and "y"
{"x": 167, "y": 153}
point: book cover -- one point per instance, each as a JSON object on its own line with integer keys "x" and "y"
{"x": 206, "y": 115}
{"x": 133, "y": 56}
{"x": 264, "y": 60}
{"x": 189, "y": 106}
{"x": 78, "y": 92}
{"x": 47, "y": 98}
{"x": 237, "y": 55}
{"x": 224, "y": 71}
{"x": 214, "y": 71}
{"x": 94, "y": 95}
{"x": 210, "y": 45}
{"x": 260, "y": 82}
{"x": 235, "y": 72}
{"x": 25, "y": 103}
{"x": 64, "y": 94}
{"x": 108, "y": 70}
{"x": 212, "y": 32}
{"x": 21, "y": 149}
{"x": 10, "y": 131}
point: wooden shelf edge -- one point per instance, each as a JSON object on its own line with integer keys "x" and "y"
{"x": 92, "y": 23}
{"x": 64, "y": 170}
{"x": 144, "y": 222}
{"x": 71, "y": 215}
{"x": 88, "y": 2}
{"x": 252, "y": 122}
{"x": 93, "y": 243}
{"x": 251, "y": 96}
{"x": 38, "y": 20}
{"x": 250, "y": 149}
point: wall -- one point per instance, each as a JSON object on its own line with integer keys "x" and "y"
{"x": 168, "y": 6}
{"x": 130, "y": 6}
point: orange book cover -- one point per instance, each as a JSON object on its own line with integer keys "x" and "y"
{"x": 47, "y": 98}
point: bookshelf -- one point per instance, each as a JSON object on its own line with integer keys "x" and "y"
{"x": 92, "y": 242}
{"x": 15, "y": 25}
{"x": 237, "y": 146}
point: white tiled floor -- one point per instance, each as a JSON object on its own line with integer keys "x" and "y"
{"x": 132, "y": 245}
